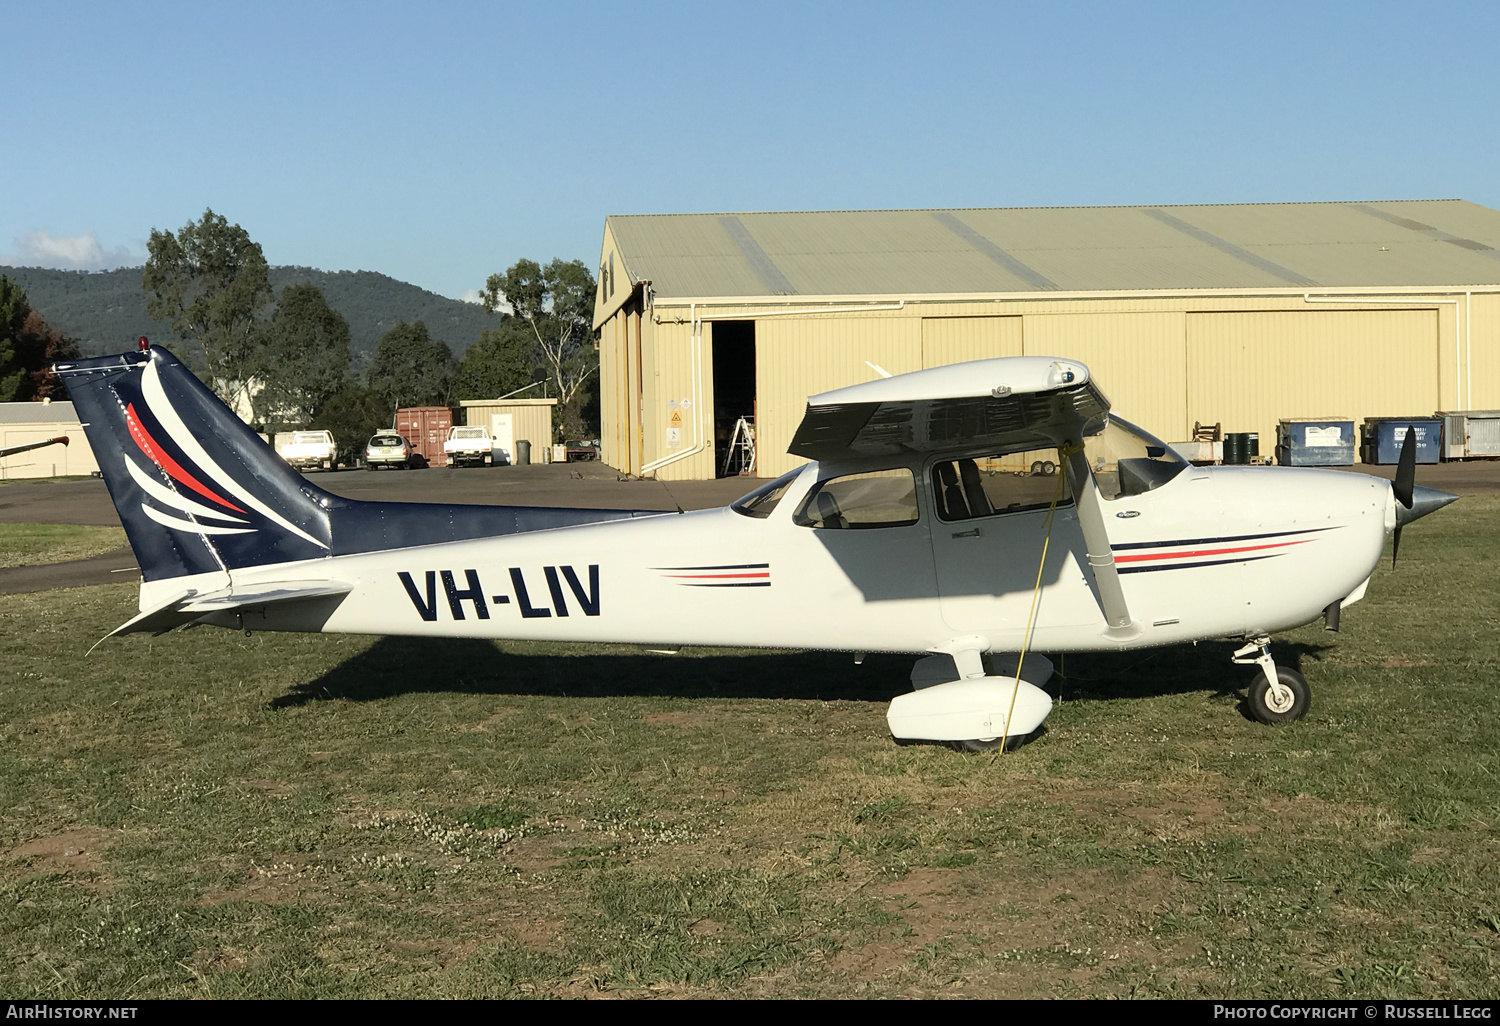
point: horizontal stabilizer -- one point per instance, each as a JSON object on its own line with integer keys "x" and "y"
{"x": 187, "y": 606}
{"x": 237, "y": 598}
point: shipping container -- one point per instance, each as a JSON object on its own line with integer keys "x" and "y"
{"x": 426, "y": 428}
{"x": 1315, "y": 442}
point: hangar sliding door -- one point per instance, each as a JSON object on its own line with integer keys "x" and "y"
{"x": 1136, "y": 359}
{"x": 1248, "y": 370}
{"x": 796, "y": 357}
{"x": 948, "y": 340}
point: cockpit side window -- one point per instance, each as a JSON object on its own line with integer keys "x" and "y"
{"x": 1128, "y": 461}
{"x": 881, "y": 498}
{"x": 985, "y": 486}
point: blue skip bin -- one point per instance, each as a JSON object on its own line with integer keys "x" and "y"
{"x": 1381, "y": 438}
{"x": 1315, "y": 442}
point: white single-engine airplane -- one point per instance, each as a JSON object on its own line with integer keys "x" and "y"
{"x": 911, "y": 532}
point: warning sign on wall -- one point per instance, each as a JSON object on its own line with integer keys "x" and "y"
{"x": 674, "y": 421}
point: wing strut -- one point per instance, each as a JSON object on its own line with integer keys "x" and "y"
{"x": 1096, "y": 540}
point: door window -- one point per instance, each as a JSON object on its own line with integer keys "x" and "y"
{"x": 985, "y": 486}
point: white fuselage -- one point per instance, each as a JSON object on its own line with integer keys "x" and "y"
{"x": 1220, "y": 552}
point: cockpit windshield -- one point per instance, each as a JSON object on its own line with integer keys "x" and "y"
{"x": 1129, "y": 461}
{"x": 763, "y": 500}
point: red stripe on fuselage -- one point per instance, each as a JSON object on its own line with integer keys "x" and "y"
{"x": 1193, "y": 553}
{"x": 155, "y": 455}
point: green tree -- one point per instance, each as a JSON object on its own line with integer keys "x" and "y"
{"x": 29, "y": 346}
{"x": 13, "y": 311}
{"x": 208, "y": 281}
{"x": 557, "y": 303}
{"x": 410, "y": 368}
{"x": 353, "y": 414}
{"x": 503, "y": 360}
{"x": 301, "y": 359}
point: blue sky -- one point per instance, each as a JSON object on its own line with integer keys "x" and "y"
{"x": 439, "y": 143}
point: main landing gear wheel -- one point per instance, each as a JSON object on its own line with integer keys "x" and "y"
{"x": 1288, "y": 700}
{"x": 985, "y": 745}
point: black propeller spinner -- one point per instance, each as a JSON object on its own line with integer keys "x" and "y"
{"x": 1412, "y": 500}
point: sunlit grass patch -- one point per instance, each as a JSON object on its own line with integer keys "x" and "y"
{"x": 36, "y": 544}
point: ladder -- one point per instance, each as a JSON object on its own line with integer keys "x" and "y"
{"x": 739, "y": 458}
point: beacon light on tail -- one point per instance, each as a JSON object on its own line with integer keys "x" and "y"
{"x": 971, "y": 515}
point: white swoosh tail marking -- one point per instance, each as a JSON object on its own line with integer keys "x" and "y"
{"x": 167, "y": 497}
{"x": 190, "y": 526}
{"x": 166, "y": 414}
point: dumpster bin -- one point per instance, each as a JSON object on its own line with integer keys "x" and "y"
{"x": 1470, "y": 434}
{"x": 1315, "y": 442}
{"x": 1381, "y": 438}
{"x": 523, "y": 453}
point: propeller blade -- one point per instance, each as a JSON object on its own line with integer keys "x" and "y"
{"x": 1395, "y": 547}
{"x": 1406, "y": 469}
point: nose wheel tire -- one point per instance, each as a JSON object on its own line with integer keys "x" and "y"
{"x": 1287, "y": 701}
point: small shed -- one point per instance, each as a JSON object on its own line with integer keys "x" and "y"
{"x": 511, "y": 421}
{"x": 23, "y": 423}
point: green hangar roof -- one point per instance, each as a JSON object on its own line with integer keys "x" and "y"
{"x": 1060, "y": 249}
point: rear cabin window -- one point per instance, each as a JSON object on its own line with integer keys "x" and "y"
{"x": 881, "y": 498}
{"x": 985, "y": 486}
{"x": 385, "y": 441}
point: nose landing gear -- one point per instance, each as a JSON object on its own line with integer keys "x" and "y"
{"x": 1278, "y": 694}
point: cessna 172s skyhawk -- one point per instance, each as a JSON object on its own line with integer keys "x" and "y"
{"x": 910, "y": 532}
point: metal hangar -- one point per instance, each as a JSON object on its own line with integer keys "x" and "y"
{"x": 1237, "y": 314}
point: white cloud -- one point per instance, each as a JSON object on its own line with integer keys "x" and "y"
{"x": 476, "y": 297}
{"x": 70, "y": 253}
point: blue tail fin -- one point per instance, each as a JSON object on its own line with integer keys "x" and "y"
{"x": 199, "y": 492}
{"x": 196, "y": 489}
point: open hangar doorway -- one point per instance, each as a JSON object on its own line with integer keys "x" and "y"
{"x": 734, "y": 398}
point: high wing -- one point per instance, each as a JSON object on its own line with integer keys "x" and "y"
{"x": 1007, "y": 404}
{"x": 12, "y": 450}
{"x": 1010, "y": 403}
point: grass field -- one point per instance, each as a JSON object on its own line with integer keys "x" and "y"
{"x": 34, "y": 544}
{"x": 209, "y": 814}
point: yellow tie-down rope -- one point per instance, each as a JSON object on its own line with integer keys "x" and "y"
{"x": 1064, "y": 452}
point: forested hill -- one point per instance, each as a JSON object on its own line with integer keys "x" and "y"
{"x": 106, "y": 310}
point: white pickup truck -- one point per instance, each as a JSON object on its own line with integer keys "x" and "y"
{"x": 469, "y": 447}
{"x": 311, "y": 450}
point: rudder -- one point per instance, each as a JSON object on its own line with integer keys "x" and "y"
{"x": 197, "y": 491}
